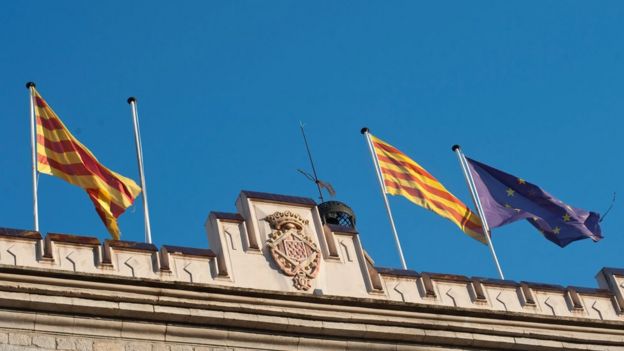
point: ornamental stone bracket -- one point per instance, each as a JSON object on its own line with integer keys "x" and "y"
{"x": 292, "y": 249}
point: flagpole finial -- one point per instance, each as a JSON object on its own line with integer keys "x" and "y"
{"x": 30, "y": 84}
{"x": 364, "y": 130}
{"x": 455, "y": 147}
{"x": 131, "y": 99}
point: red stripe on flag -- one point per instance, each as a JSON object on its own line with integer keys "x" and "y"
{"x": 40, "y": 102}
{"x": 462, "y": 218}
{"x": 90, "y": 164}
{"x": 74, "y": 169}
{"x": 61, "y": 146}
{"x": 110, "y": 223}
{"x": 50, "y": 123}
{"x": 434, "y": 191}
{"x": 115, "y": 209}
{"x": 389, "y": 149}
{"x": 405, "y": 164}
{"x": 79, "y": 169}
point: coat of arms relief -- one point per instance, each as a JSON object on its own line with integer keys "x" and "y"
{"x": 292, "y": 249}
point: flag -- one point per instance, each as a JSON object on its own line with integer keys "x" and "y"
{"x": 506, "y": 199}
{"x": 403, "y": 176}
{"x": 60, "y": 154}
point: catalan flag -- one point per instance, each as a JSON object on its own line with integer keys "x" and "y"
{"x": 60, "y": 154}
{"x": 403, "y": 176}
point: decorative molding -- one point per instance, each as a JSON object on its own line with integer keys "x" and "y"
{"x": 528, "y": 299}
{"x": 477, "y": 291}
{"x": 451, "y": 293}
{"x": 396, "y": 288}
{"x": 131, "y": 262}
{"x": 229, "y": 239}
{"x": 501, "y": 300}
{"x": 9, "y": 250}
{"x": 552, "y": 305}
{"x": 427, "y": 286}
{"x": 292, "y": 249}
{"x": 574, "y": 299}
{"x": 72, "y": 261}
{"x": 277, "y": 198}
{"x": 345, "y": 251}
{"x": 596, "y": 307}
{"x": 127, "y": 309}
{"x": 188, "y": 271}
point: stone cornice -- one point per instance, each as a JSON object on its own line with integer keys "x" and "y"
{"x": 142, "y": 289}
{"x": 57, "y": 296}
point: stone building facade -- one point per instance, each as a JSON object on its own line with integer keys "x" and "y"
{"x": 278, "y": 277}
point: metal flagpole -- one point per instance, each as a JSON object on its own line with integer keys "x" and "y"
{"x": 475, "y": 198}
{"x": 33, "y": 134}
{"x": 139, "y": 150}
{"x": 366, "y": 133}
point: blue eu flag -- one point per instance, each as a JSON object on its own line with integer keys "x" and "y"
{"x": 506, "y": 199}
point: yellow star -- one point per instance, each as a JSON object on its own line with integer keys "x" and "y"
{"x": 566, "y": 217}
{"x": 556, "y": 230}
{"x": 510, "y": 192}
{"x": 521, "y": 181}
{"x": 507, "y": 205}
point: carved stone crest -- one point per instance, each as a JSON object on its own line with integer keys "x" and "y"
{"x": 292, "y": 249}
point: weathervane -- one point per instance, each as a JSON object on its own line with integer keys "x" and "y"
{"x": 319, "y": 183}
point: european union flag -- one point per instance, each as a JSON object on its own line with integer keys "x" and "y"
{"x": 506, "y": 199}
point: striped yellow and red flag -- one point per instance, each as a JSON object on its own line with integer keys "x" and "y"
{"x": 60, "y": 154}
{"x": 403, "y": 176}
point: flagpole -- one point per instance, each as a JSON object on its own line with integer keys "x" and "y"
{"x": 475, "y": 198}
{"x": 33, "y": 134}
{"x": 139, "y": 150}
{"x": 366, "y": 133}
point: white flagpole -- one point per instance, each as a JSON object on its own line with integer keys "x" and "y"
{"x": 475, "y": 198}
{"x": 33, "y": 134}
{"x": 366, "y": 133}
{"x": 139, "y": 149}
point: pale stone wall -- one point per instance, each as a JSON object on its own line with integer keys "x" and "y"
{"x": 21, "y": 341}
{"x": 51, "y": 342}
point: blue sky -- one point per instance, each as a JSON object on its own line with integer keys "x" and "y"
{"x": 533, "y": 88}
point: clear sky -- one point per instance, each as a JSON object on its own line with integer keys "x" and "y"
{"x": 532, "y": 88}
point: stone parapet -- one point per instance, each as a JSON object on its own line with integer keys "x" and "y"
{"x": 274, "y": 265}
{"x": 613, "y": 280}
